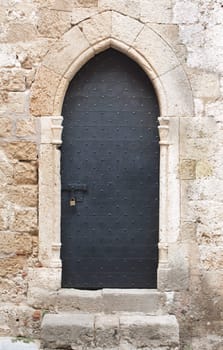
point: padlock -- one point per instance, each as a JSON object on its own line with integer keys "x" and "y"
{"x": 72, "y": 202}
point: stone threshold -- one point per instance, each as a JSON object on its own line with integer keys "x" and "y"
{"x": 150, "y": 301}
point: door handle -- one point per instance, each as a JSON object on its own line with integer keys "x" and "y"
{"x": 75, "y": 187}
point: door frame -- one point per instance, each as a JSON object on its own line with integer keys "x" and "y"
{"x": 60, "y": 65}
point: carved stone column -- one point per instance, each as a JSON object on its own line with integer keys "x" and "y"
{"x": 163, "y": 210}
{"x": 49, "y": 191}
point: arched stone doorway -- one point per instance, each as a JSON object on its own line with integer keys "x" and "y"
{"x": 110, "y": 176}
{"x": 60, "y": 65}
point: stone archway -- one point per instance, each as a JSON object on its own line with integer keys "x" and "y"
{"x": 67, "y": 56}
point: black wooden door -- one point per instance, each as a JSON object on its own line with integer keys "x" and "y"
{"x": 110, "y": 157}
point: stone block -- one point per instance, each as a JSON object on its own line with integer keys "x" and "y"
{"x": 188, "y": 231}
{"x": 67, "y": 5}
{"x": 198, "y": 107}
{"x": 43, "y": 279}
{"x": 124, "y": 28}
{"x": 13, "y": 80}
{"x": 187, "y": 169}
{"x": 127, "y": 7}
{"x": 52, "y": 23}
{"x": 161, "y": 13}
{"x": 186, "y": 12}
{"x": 42, "y": 95}
{"x": 7, "y": 60}
{"x": 6, "y": 170}
{"x": 70, "y": 47}
{"x": 177, "y": 84}
{"x": 149, "y": 301}
{"x": 203, "y": 169}
{"x": 144, "y": 331}
{"x": 66, "y": 329}
{"x": 107, "y": 331}
{"x": 4, "y": 219}
{"x": 25, "y": 173}
{"x": 170, "y": 33}
{"x": 14, "y": 102}
{"x": 97, "y": 28}
{"x": 15, "y": 244}
{"x": 21, "y": 150}
{"x": 86, "y": 3}
{"x": 195, "y": 148}
{"x": 192, "y": 128}
{"x": 85, "y": 301}
{"x": 80, "y": 14}
{"x": 25, "y": 127}
{"x": 25, "y": 220}
{"x": 23, "y": 195}
{"x": 204, "y": 84}
{"x": 19, "y": 32}
{"x": 5, "y": 127}
{"x": 156, "y": 51}
{"x": 178, "y": 274}
{"x": 12, "y": 265}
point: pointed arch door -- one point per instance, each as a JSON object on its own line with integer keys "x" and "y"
{"x": 110, "y": 177}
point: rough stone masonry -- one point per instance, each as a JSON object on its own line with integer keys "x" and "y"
{"x": 193, "y": 31}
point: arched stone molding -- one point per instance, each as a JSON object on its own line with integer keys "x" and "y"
{"x": 135, "y": 39}
{"x": 68, "y": 55}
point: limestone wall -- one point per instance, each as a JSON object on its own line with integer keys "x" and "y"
{"x": 193, "y": 30}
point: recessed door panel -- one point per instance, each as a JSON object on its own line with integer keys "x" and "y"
{"x": 110, "y": 177}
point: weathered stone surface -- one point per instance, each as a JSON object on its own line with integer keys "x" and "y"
{"x": 6, "y": 169}
{"x": 15, "y": 244}
{"x": 204, "y": 84}
{"x": 5, "y": 127}
{"x": 13, "y": 102}
{"x": 203, "y": 169}
{"x": 186, "y": 12}
{"x": 127, "y": 7}
{"x": 12, "y": 80}
{"x": 170, "y": 33}
{"x": 97, "y": 28}
{"x": 72, "y": 44}
{"x": 188, "y": 231}
{"x": 25, "y": 127}
{"x": 21, "y": 150}
{"x": 120, "y": 28}
{"x": 149, "y": 301}
{"x": 16, "y": 32}
{"x": 10, "y": 265}
{"x": 25, "y": 173}
{"x": 107, "y": 331}
{"x": 151, "y": 331}
{"x": 53, "y": 23}
{"x": 161, "y": 13}
{"x": 85, "y": 301}
{"x": 80, "y": 14}
{"x": 187, "y": 169}
{"x": 42, "y": 97}
{"x": 25, "y": 220}
{"x": 66, "y": 329}
{"x": 157, "y": 52}
{"x": 4, "y": 219}
{"x": 66, "y": 5}
{"x": 7, "y": 59}
{"x": 23, "y": 195}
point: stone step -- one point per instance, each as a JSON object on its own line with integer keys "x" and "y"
{"x": 106, "y": 300}
{"x": 124, "y": 331}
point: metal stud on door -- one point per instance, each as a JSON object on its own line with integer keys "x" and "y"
{"x": 110, "y": 171}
